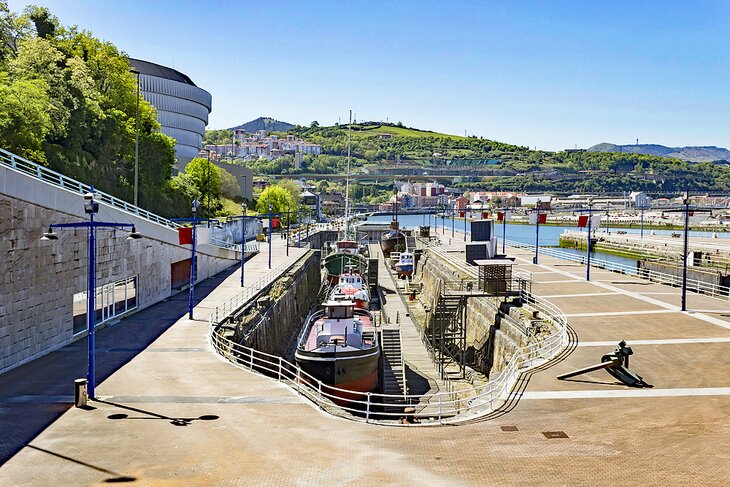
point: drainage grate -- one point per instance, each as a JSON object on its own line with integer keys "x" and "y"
{"x": 509, "y": 428}
{"x": 554, "y": 434}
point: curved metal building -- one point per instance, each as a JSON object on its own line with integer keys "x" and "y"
{"x": 182, "y": 107}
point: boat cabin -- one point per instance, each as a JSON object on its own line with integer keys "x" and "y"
{"x": 339, "y": 326}
{"x": 347, "y": 246}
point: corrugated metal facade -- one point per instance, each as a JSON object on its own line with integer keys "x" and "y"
{"x": 182, "y": 110}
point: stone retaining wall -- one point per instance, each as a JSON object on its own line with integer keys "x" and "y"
{"x": 285, "y": 305}
{"x": 494, "y": 328}
{"x": 40, "y": 278}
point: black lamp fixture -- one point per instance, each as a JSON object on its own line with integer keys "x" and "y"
{"x": 134, "y": 234}
{"x": 50, "y": 234}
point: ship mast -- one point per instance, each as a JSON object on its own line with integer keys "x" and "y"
{"x": 347, "y": 184}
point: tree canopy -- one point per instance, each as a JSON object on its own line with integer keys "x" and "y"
{"x": 68, "y": 100}
{"x": 277, "y": 196}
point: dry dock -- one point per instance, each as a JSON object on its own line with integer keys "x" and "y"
{"x": 176, "y": 414}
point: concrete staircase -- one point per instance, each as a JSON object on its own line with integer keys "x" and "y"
{"x": 393, "y": 377}
{"x": 421, "y": 374}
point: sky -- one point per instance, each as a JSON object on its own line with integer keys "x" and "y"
{"x": 546, "y": 74}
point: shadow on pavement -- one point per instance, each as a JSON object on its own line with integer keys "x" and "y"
{"x": 34, "y": 395}
{"x": 117, "y": 478}
{"x": 151, "y": 415}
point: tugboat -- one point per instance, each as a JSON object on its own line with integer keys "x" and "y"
{"x": 352, "y": 286}
{"x": 404, "y": 266}
{"x": 338, "y": 346}
{"x": 345, "y": 255}
{"x": 393, "y": 239}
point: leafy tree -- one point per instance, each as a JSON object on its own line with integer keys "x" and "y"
{"x": 229, "y": 185}
{"x": 277, "y": 196}
{"x": 293, "y": 188}
{"x": 24, "y": 117}
{"x": 205, "y": 175}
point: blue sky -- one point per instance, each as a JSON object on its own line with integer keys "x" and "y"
{"x": 552, "y": 74}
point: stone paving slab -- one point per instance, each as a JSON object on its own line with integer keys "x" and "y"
{"x": 605, "y": 303}
{"x": 663, "y": 366}
{"x": 644, "y": 327}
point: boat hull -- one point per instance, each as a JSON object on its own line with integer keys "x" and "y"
{"x": 393, "y": 243}
{"x": 336, "y": 264}
{"x": 357, "y": 372}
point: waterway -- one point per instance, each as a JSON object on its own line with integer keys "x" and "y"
{"x": 549, "y": 234}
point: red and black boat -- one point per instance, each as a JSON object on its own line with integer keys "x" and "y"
{"x": 339, "y": 346}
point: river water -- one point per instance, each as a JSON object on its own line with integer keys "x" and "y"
{"x": 549, "y": 235}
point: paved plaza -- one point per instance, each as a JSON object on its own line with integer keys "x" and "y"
{"x": 177, "y": 414}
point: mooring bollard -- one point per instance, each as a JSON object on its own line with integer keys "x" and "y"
{"x": 81, "y": 395}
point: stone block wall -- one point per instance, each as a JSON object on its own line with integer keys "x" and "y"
{"x": 40, "y": 278}
{"x": 494, "y": 328}
{"x": 285, "y": 306}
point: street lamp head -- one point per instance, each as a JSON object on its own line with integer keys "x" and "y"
{"x": 90, "y": 204}
{"x": 134, "y": 234}
{"x": 195, "y": 205}
{"x": 49, "y": 235}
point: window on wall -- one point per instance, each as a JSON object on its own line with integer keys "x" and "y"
{"x": 110, "y": 300}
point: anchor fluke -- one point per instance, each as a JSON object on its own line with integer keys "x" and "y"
{"x": 615, "y": 363}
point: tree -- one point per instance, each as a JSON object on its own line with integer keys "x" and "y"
{"x": 293, "y": 188}
{"x": 229, "y": 185}
{"x": 24, "y": 118}
{"x": 206, "y": 176}
{"x": 280, "y": 199}
{"x": 314, "y": 125}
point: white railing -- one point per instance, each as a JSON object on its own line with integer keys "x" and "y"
{"x": 225, "y": 310}
{"x": 438, "y": 408}
{"x": 251, "y": 247}
{"x": 700, "y": 287}
{"x": 446, "y": 407}
{"x": 50, "y": 176}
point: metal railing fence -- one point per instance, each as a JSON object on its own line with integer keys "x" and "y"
{"x": 448, "y": 407}
{"x": 700, "y": 287}
{"x": 241, "y": 298}
{"x": 50, "y": 176}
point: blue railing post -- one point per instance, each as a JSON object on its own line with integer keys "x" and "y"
{"x": 91, "y": 308}
{"x": 191, "y": 299}
{"x": 271, "y": 207}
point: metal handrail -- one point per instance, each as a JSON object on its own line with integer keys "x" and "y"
{"x": 712, "y": 290}
{"x": 483, "y": 399}
{"x": 20, "y": 164}
{"x": 234, "y": 303}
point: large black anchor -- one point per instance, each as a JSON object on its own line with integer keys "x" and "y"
{"x": 616, "y": 364}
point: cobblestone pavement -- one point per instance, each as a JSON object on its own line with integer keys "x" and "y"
{"x": 178, "y": 415}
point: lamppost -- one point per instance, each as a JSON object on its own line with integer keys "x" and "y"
{"x": 465, "y": 212}
{"x": 641, "y": 232}
{"x": 453, "y": 221}
{"x": 288, "y": 225}
{"x": 588, "y": 256}
{"x": 608, "y": 218}
{"x": 191, "y": 297}
{"x": 243, "y": 239}
{"x": 271, "y": 207}
{"x": 537, "y": 231}
{"x": 504, "y": 229}
{"x": 207, "y": 185}
{"x": 136, "y": 142}
{"x": 91, "y": 207}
